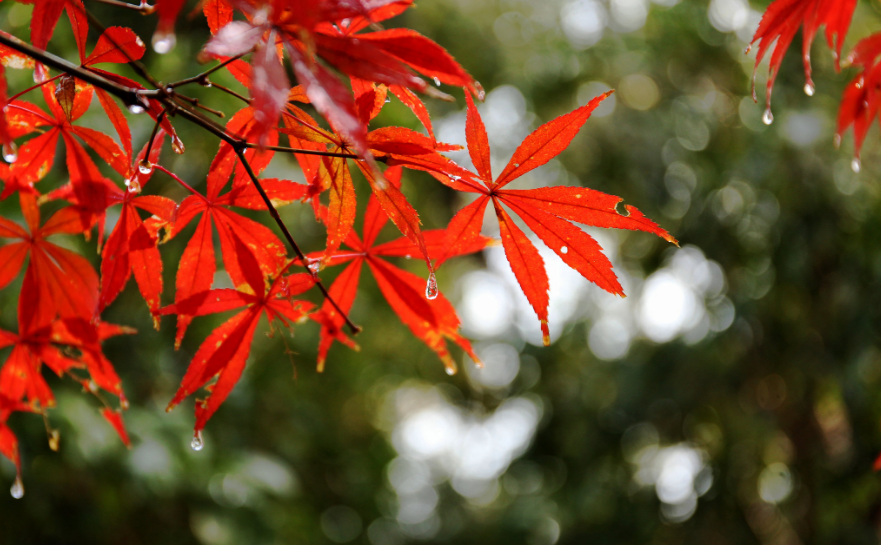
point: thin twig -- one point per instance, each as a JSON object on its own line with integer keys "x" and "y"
{"x": 143, "y": 7}
{"x": 184, "y": 184}
{"x": 128, "y": 95}
{"x": 303, "y": 151}
{"x": 202, "y": 78}
{"x": 229, "y": 91}
{"x": 32, "y": 87}
{"x": 240, "y": 151}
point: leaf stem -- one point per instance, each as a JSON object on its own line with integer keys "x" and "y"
{"x": 202, "y": 78}
{"x": 143, "y": 7}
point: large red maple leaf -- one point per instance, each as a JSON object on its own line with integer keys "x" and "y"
{"x": 548, "y": 211}
{"x": 224, "y": 352}
{"x": 428, "y": 314}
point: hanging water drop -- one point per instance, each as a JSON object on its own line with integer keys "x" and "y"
{"x": 54, "y": 439}
{"x": 17, "y": 489}
{"x": 856, "y": 165}
{"x": 145, "y": 167}
{"x": 768, "y": 117}
{"x": 437, "y": 81}
{"x": 197, "y": 444}
{"x": 136, "y": 109}
{"x": 564, "y": 250}
{"x": 164, "y": 42}
{"x": 431, "y": 290}
{"x": 837, "y": 141}
{"x": 314, "y": 266}
{"x": 450, "y": 369}
{"x": 10, "y": 152}
{"x": 133, "y": 185}
{"x": 139, "y": 41}
{"x": 748, "y": 49}
{"x": 809, "y": 89}
{"x": 176, "y": 145}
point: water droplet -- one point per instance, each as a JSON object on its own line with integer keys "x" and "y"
{"x": 748, "y": 49}
{"x": 93, "y": 386}
{"x": 133, "y": 185}
{"x": 123, "y": 404}
{"x": 437, "y": 81}
{"x": 431, "y": 290}
{"x": 197, "y": 444}
{"x": 564, "y": 250}
{"x": 408, "y": 256}
{"x": 54, "y": 439}
{"x": 809, "y": 89}
{"x": 136, "y": 109}
{"x": 856, "y": 165}
{"x": 17, "y": 489}
{"x": 139, "y": 41}
{"x": 387, "y": 100}
{"x": 314, "y": 266}
{"x": 768, "y": 117}
{"x": 164, "y": 42}
{"x": 145, "y": 167}
{"x": 176, "y": 145}
{"x": 837, "y": 141}
{"x": 450, "y": 369}
{"x": 516, "y": 165}
{"x": 10, "y": 152}
{"x": 207, "y": 85}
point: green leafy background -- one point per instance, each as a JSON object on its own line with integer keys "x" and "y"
{"x": 757, "y": 425}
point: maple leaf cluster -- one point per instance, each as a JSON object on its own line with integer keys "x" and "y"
{"x": 862, "y": 95}
{"x": 63, "y": 295}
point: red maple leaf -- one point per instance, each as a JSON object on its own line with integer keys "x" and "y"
{"x": 548, "y": 211}
{"x": 782, "y": 20}
{"x": 428, "y": 314}
{"x": 197, "y": 266}
{"x": 325, "y": 29}
{"x": 862, "y": 96}
{"x": 224, "y": 352}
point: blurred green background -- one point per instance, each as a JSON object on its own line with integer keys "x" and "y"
{"x": 732, "y": 397}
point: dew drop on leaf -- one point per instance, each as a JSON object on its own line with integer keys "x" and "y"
{"x": 564, "y": 250}
{"x": 164, "y": 42}
{"x": 133, "y": 185}
{"x": 17, "y": 489}
{"x": 314, "y": 266}
{"x": 136, "y": 109}
{"x": 145, "y": 167}
{"x": 10, "y": 152}
{"x": 197, "y": 444}
{"x": 856, "y": 165}
{"x": 431, "y": 290}
{"x": 139, "y": 41}
{"x": 177, "y": 145}
{"x": 809, "y": 89}
{"x": 768, "y": 117}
